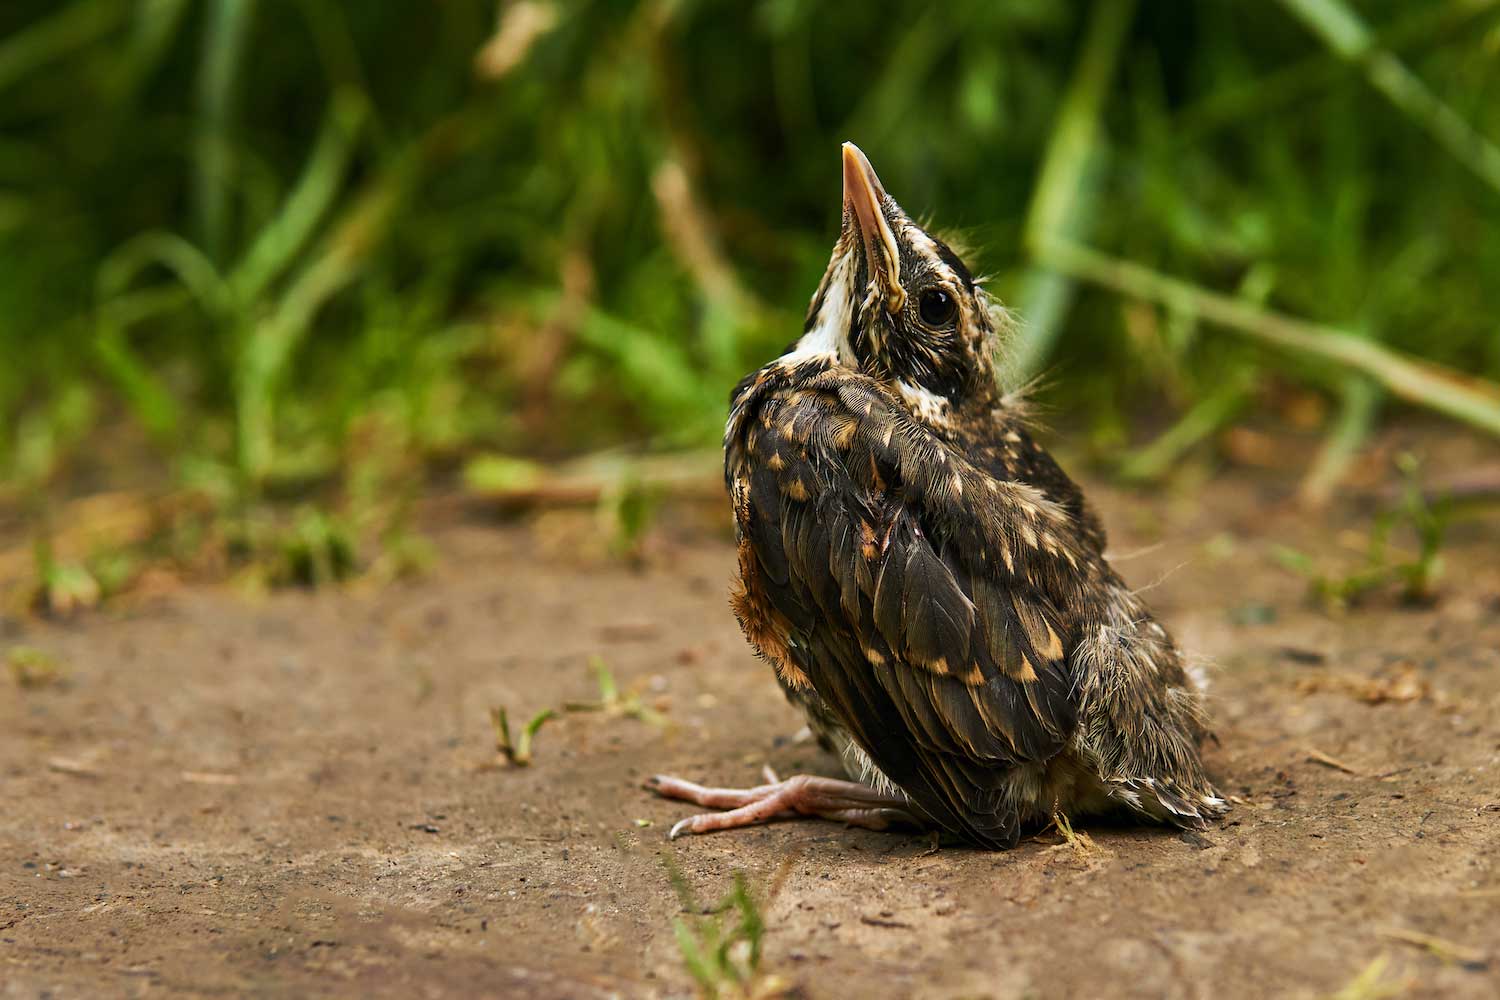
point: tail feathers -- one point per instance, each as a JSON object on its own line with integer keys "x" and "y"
{"x": 1166, "y": 801}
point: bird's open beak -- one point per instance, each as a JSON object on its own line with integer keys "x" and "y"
{"x": 862, "y": 197}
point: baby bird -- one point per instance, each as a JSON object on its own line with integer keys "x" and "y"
{"x": 929, "y": 585}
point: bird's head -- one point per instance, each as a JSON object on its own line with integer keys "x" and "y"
{"x": 899, "y": 305}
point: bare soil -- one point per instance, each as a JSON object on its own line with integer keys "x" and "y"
{"x": 300, "y": 796}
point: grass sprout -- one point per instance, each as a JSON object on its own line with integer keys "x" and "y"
{"x": 1416, "y": 571}
{"x": 31, "y": 668}
{"x": 721, "y": 945}
{"x": 614, "y": 704}
{"x": 517, "y": 753}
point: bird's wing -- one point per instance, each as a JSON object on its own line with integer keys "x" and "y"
{"x": 925, "y": 606}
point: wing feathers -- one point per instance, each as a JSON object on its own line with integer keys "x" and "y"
{"x": 938, "y": 619}
{"x": 895, "y": 562}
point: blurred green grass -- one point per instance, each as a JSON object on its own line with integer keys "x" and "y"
{"x": 269, "y": 248}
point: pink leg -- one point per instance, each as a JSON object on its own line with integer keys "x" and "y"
{"x": 804, "y": 795}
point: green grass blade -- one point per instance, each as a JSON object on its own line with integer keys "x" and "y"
{"x": 196, "y": 279}
{"x": 656, "y": 368}
{"x": 145, "y": 394}
{"x": 1205, "y": 417}
{"x": 157, "y": 23}
{"x": 1064, "y": 187}
{"x": 695, "y": 958}
{"x": 270, "y": 344}
{"x": 224, "y": 35}
{"x": 1340, "y": 28}
{"x": 189, "y": 265}
{"x": 74, "y": 26}
{"x": 315, "y": 191}
{"x": 1359, "y": 405}
{"x": 1283, "y": 88}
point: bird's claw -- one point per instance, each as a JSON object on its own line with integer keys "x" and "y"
{"x": 805, "y": 795}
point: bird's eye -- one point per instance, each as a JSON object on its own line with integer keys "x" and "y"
{"x": 936, "y": 307}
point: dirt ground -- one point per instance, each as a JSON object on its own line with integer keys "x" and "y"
{"x": 298, "y": 795}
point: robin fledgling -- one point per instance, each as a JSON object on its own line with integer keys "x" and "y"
{"x": 930, "y": 587}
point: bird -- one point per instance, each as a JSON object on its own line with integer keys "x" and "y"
{"x": 929, "y": 586}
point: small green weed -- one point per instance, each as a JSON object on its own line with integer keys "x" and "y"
{"x": 517, "y": 753}
{"x": 33, "y": 668}
{"x": 1372, "y": 983}
{"x": 1384, "y": 564}
{"x": 612, "y": 703}
{"x": 721, "y": 946}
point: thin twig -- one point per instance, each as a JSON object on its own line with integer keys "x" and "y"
{"x": 1319, "y": 757}
{"x": 694, "y": 240}
{"x": 66, "y": 765}
{"x": 1478, "y": 484}
{"x": 1448, "y": 951}
{"x": 585, "y": 480}
{"x": 1470, "y": 400}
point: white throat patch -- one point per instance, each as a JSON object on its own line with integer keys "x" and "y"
{"x": 829, "y": 334}
{"x": 924, "y": 402}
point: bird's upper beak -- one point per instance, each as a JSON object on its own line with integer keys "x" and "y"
{"x": 863, "y": 195}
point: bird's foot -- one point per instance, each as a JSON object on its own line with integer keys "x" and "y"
{"x": 1076, "y": 839}
{"x": 803, "y": 795}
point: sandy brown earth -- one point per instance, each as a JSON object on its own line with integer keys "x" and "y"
{"x": 298, "y": 795}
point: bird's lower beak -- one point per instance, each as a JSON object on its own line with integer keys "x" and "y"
{"x": 862, "y": 198}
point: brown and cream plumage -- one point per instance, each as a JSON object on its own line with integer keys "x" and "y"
{"x": 928, "y": 584}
